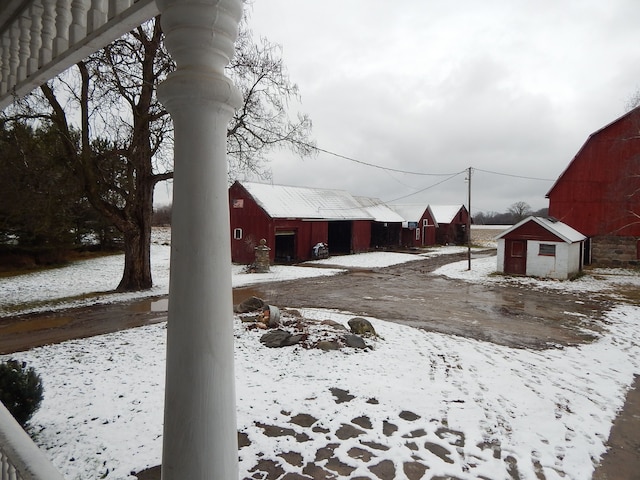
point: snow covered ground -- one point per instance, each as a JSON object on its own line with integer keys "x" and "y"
{"x": 545, "y": 411}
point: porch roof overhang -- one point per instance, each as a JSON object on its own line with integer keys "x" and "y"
{"x": 40, "y": 39}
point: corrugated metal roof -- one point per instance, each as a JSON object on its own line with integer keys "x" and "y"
{"x": 379, "y": 210}
{"x": 410, "y": 212}
{"x": 281, "y": 201}
{"x": 445, "y": 213}
{"x": 562, "y": 230}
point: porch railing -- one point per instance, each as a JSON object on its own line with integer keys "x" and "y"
{"x": 20, "y": 458}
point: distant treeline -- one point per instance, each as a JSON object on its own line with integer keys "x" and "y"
{"x": 506, "y": 218}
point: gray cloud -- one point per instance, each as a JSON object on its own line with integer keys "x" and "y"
{"x": 436, "y": 87}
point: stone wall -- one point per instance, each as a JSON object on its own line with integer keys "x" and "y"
{"x": 614, "y": 250}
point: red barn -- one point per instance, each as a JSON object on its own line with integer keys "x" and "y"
{"x": 452, "y": 221}
{"x": 419, "y": 225}
{"x": 599, "y": 192}
{"x": 294, "y": 219}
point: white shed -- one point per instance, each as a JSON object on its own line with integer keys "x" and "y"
{"x": 540, "y": 247}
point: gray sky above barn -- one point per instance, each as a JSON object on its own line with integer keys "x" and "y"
{"x": 511, "y": 87}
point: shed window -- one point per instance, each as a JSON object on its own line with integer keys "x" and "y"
{"x": 425, "y": 222}
{"x": 417, "y": 234}
{"x": 547, "y": 249}
{"x": 237, "y": 234}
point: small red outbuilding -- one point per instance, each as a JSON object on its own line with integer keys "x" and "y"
{"x": 540, "y": 247}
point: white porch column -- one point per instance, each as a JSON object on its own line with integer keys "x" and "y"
{"x": 200, "y": 436}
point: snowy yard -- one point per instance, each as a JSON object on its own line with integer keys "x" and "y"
{"x": 488, "y": 407}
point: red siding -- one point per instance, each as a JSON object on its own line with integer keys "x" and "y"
{"x": 245, "y": 214}
{"x": 427, "y": 235}
{"x": 532, "y": 231}
{"x": 454, "y": 232}
{"x": 360, "y": 236}
{"x": 598, "y": 192}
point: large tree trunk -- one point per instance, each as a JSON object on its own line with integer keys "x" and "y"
{"x": 139, "y": 212}
{"x": 137, "y": 253}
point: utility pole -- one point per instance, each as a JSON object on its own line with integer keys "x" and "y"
{"x": 469, "y": 219}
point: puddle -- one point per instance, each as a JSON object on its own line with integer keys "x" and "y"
{"x": 150, "y": 305}
{"x": 35, "y": 325}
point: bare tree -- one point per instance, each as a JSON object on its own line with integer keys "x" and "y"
{"x": 519, "y": 211}
{"x": 123, "y": 149}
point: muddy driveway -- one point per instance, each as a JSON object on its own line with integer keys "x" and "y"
{"x": 411, "y": 295}
{"x": 408, "y": 294}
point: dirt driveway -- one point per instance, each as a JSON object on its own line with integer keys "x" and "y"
{"x": 408, "y": 294}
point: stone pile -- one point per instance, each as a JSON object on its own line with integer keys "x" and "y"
{"x": 289, "y": 327}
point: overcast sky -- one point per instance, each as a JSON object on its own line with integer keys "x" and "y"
{"x": 507, "y": 86}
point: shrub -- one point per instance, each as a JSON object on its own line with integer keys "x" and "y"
{"x": 20, "y": 390}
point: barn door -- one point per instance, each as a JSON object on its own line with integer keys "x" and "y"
{"x": 515, "y": 259}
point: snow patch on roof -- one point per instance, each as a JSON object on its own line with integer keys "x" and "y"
{"x": 445, "y": 213}
{"x": 380, "y": 211}
{"x": 410, "y": 212}
{"x": 281, "y": 201}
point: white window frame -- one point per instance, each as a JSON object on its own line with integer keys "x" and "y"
{"x": 237, "y": 234}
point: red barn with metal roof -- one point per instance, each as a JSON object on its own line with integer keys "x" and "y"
{"x": 293, "y": 220}
{"x": 599, "y": 192}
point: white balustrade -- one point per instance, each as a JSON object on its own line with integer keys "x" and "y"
{"x": 20, "y": 458}
{"x": 24, "y": 45}
{"x": 97, "y": 15}
{"x": 116, "y": 7}
{"x": 78, "y": 29}
{"x": 63, "y": 22}
{"x": 35, "y": 10}
{"x": 4, "y": 63}
{"x": 48, "y": 31}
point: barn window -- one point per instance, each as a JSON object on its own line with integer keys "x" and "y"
{"x": 547, "y": 249}
{"x": 237, "y": 234}
{"x": 425, "y": 222}
{"x": 417, "y": 234}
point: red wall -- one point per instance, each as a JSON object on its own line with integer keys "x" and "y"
{"x": 532, "y": 231}
{"x": 454, "y": 232}
{"x": 427, "y": 235}
{"x": 360, "y": 236}
{"x": 595, "y": 194}
{"x": 244, "y": 213}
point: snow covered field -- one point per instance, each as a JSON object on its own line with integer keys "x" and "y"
{"x": 548, "y": 411}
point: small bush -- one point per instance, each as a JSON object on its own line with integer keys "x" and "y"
{"x": 20, "y": 390}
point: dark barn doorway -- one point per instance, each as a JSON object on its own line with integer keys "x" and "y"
{"x": 285, "y": 246}
{"x": 340, "y": 237}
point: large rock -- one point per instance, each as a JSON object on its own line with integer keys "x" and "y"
{"x": 354, "y": 341}
{"x": 362, "y": 326}
{"x": 280, "y": 338}
{"x": 250, "y": 304}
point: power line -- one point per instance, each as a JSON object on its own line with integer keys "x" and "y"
{"x": 373, "y": 165}
{"x": 396, "y": 170}
{"x": 427, "y": 188}
{"x": 361, "y": 162}
{"x": 515, "y": 176}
